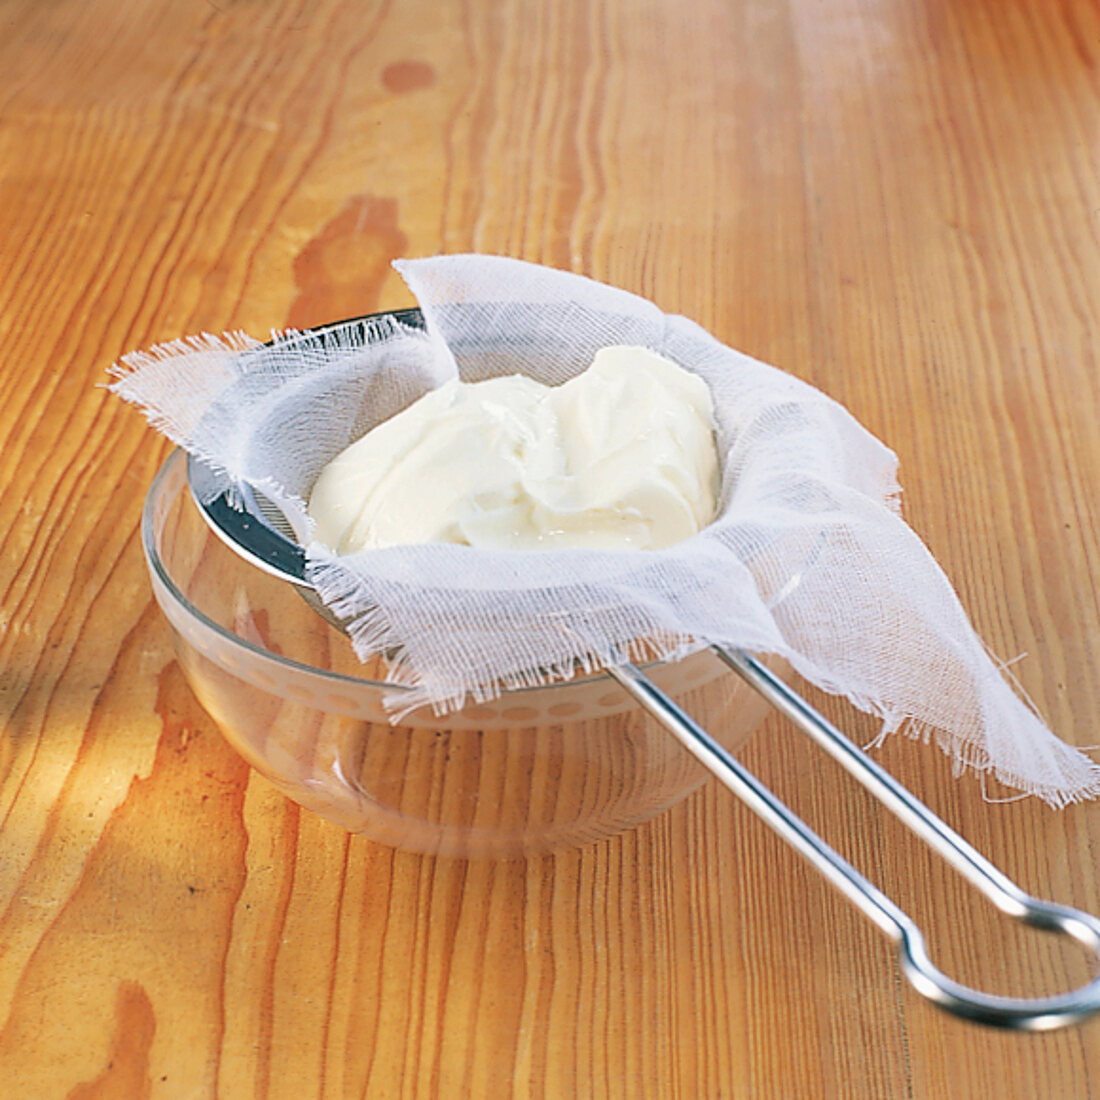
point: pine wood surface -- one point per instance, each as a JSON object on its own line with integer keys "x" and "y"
{"x": 897, "y": 200}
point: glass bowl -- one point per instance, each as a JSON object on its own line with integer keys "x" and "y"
{"x": 536, "y": 769}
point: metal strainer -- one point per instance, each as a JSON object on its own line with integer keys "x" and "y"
{"x": 260, "y": 533}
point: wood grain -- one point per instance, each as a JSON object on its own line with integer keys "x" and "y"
{"x": 897, "y": 200}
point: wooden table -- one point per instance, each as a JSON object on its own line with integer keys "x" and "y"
{"x": 897, "y": 200}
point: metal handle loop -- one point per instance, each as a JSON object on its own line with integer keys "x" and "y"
{"x": 1021, "y": 1014}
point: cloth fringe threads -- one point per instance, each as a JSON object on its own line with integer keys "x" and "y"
{"x": 809, "y": 558}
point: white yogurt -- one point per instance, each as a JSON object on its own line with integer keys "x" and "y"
{"x": 622, "y": 455}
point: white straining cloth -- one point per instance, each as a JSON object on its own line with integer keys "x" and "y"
{"x": 808, "y": 559}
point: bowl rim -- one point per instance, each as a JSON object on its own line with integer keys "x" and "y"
{"x": 157, "y": 488}
{"x": 176, "y": 458}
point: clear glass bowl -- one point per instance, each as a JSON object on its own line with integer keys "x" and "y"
{"x": 536, "y": 769}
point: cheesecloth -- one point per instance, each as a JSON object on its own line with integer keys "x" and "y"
{"x": 808, "y": 558}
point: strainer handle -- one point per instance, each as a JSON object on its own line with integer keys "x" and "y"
{"x": 1020, "y": 1014}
